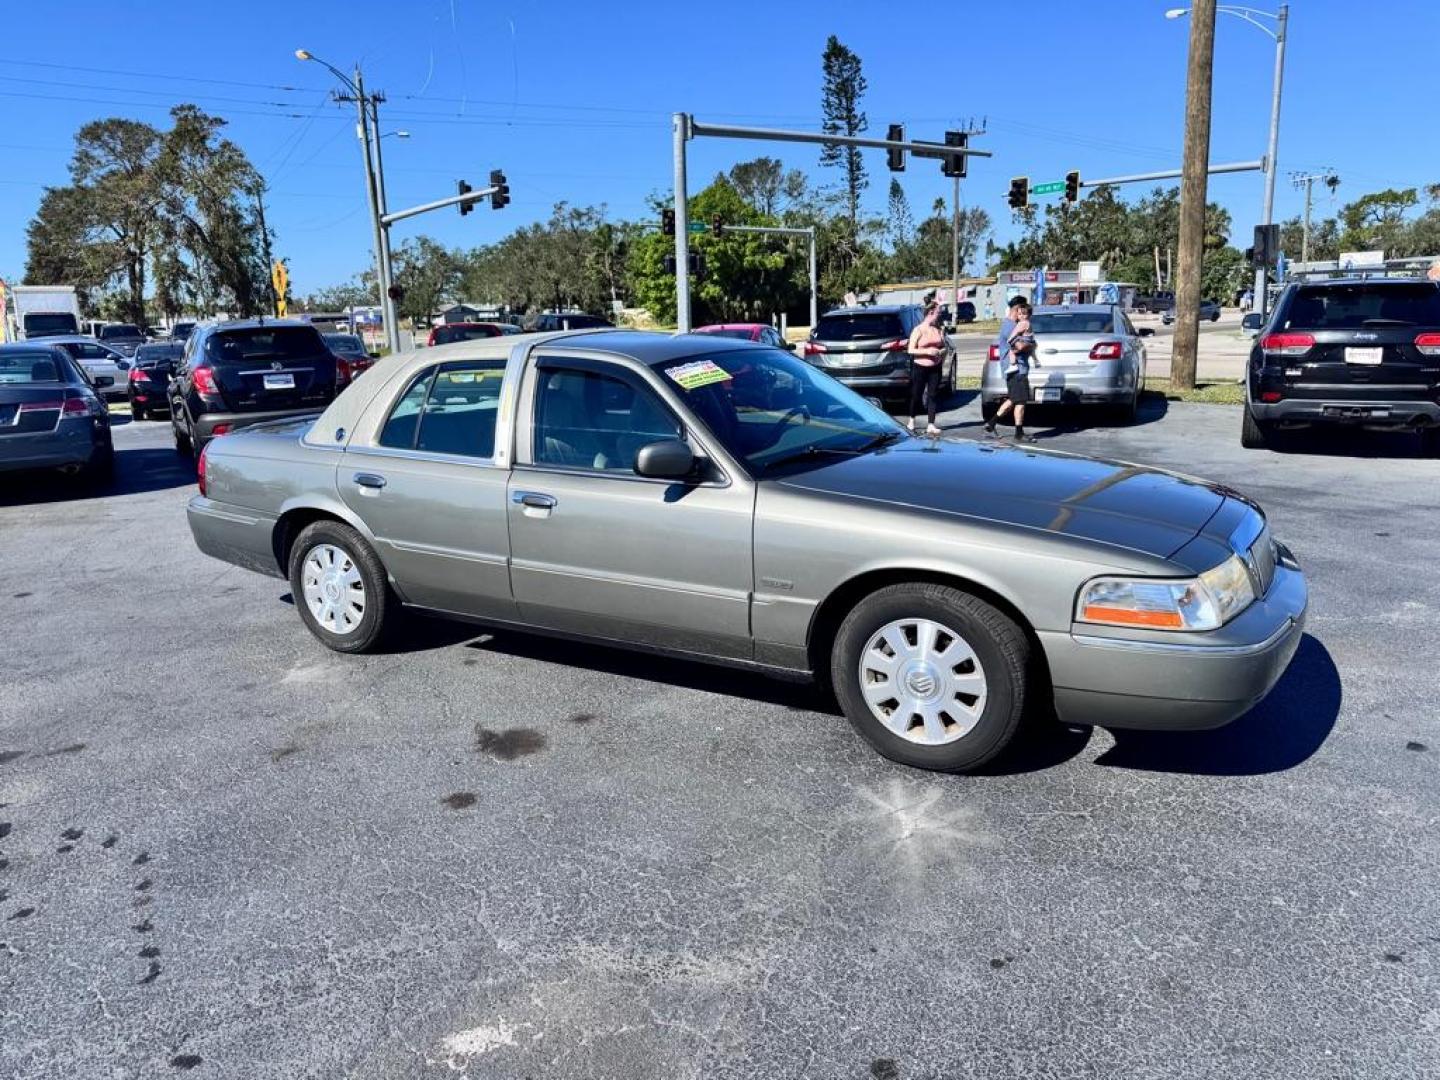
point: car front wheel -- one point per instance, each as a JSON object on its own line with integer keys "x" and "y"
{"x": 931, "y": 676}
{"x": 339, "y": 586}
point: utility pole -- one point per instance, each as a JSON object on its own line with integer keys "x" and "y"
{"x": 362, "y": 132}
{"x": 1307, "y": 181}
{"x": 1196, "y": 163}
{"x": 1282, "y": 21}
{"x": 955, "y": 252}
{"x": 388, "y": 308}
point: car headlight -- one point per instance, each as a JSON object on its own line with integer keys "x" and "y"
{"x": 1206, "y": 602}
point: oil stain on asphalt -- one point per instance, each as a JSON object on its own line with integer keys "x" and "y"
{"x": 509, "y": 744}
{"x": 460, "y": 800}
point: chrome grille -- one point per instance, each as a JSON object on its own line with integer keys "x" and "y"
{"x": 1262, "y": 561}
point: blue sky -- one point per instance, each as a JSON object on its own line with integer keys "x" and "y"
{"x": 573, "y": 99}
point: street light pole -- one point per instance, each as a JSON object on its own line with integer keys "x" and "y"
{"x": 1281, "y": 20}
{"x": 389, "y": 311}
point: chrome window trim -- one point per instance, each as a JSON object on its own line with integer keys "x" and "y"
{"x": 420, "y": 455}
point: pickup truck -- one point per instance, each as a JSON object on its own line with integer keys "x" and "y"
{"x": 1154, "y": 303}
{"x": 721, "y": 500}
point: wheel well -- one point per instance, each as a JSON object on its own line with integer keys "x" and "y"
{"x": 832, "y": 611}
{"x": 290, "y": 525}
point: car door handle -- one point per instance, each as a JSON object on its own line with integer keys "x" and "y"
{"x": 534, "y": 500}
{"x": 370, "y": 480}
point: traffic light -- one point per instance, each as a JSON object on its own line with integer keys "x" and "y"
{"x": 1267, "y": 245}
{"x": 501, "y": 195}
{"x": 955, "y": 164}
{"x": 396, "y": 293}
{"x": 669, "y": 264}
{"x": 717, "y": 224}
{"x": 1072, "y": 186}
{"x": 464, "y": 189}
{"x": 1019, "y": 193}
{"x": 895, "y": 158}
{"x": 667, "y": 225}
{"x": 697, "y": 265}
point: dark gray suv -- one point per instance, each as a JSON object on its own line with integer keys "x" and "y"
{"x": 865, "y": 348}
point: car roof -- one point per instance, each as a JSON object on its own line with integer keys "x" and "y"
{"x": 468, "y": 322}
{"x": 1351, "y": 282}
{"x": 84, "y": 339}
{"x": 730, "y": 326}
{"x": 880, "y": 309}
{"x": 252, "y": 324}
{"x": 1087, "y": 309}
{"x": 38, "y": 345}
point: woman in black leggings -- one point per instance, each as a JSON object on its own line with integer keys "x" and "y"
{"x": 927, "y": 353}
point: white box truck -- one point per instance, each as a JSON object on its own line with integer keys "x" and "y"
{"x": 43, "y": 310}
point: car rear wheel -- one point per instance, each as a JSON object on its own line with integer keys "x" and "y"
{"x": 182, "y": 438}
{"x": 100, "y": 469}
{"x": 1253, "y": 434}
{"x": 931, "y": 676}
{"x": 137, "y": 413}
{"x": 339, "y": 586}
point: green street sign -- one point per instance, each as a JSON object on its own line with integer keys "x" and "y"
{"x": 1048, "y": 189}
{"x": 700, "y": 226}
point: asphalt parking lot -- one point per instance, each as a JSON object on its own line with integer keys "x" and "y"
{"x": 226, "y": 851}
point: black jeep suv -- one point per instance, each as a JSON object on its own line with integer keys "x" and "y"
{"x": 1358, "y": 352}
{"x": 233, "y": 374}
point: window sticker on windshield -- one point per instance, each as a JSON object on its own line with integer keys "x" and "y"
{"x": 698, "y": 373}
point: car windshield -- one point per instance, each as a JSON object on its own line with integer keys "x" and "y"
{"x": 1353, "y": 307}
{"x": 120, "y": 330}
{"x": 765, "y": 406}
{"x": 30, "y": 366}
{"x": 743, "y": 333}
{"x": 346, "y": 343}
{"x": 859, "y": 326}
{"x": 1072, "y": 322}
{"x": 264, "y": 343}
{"x": 445, "y": 335}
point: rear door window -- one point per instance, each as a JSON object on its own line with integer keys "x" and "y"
{"x": 449, "y": 410}
{"x": 1358, "y": 307}
{"x": 860, "y": 326}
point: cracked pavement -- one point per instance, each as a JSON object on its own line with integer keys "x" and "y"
{"x": 228, "y": 852}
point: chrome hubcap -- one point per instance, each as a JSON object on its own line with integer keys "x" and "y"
{"x": 923, "y": 681}
{"x": 334, "y": 590}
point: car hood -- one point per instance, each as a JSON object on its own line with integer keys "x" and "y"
{"x": 1110, "y": 502}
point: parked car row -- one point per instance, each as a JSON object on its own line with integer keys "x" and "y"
{"x": 51, "y": 412}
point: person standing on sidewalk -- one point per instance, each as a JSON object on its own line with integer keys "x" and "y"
{"x": 1017, "y": 353}
{"x": 927, "y": 354}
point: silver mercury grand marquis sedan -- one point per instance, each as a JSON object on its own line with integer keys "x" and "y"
{"x": 720, "y": 500}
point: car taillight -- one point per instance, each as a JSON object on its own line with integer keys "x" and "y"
{"x": 205, "y": 381}
{"x": 136, "y": 375}
{"x": 200, "y": 469}
{"x": 898, "y": 345}
{"x": 343, "y": 371}
{"x": 220, "y": 429}
{"x": 1107, "y": 350}
{"x": 994, "y": 354}
{"x": 1287, "y": 344}
{"x": 1428, "y": 344}
{"x": 1270, "y": 396}
{"x": 813, "y": 348}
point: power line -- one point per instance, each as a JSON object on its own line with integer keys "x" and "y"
{"x": 148, "y": 75}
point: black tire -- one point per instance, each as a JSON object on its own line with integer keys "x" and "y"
{"x": 1253, "y": 434}
{"x": 100, "y": 470}
{"x": 1125, "y": 414}
{"x": 368, "y": 632}
{"x": 137, "y": 413}
{"x": 182, "y": 438}
{"x": 988, "y": 409}
{"x": 1430, "y": 442}
{"x": 1000, "y": 647}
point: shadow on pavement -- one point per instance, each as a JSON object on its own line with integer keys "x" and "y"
{"x": 1052, "y": 421}
{"x": 1281, "y": 732}
{"x": 648, "y": 667}
{"x": 1353, "y": 443}
{"x": 136, "y": 471}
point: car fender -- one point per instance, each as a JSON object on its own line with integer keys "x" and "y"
{"x": 325, "y": 504}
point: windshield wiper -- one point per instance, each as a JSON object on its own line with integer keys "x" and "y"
{"x": 814, "y": 450}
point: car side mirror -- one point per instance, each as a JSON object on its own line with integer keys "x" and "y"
{"x": 665, "y": 459}
{"x": 103, "y": 381}
{"x": 374, "y": 356}
{"x": 1146, "y": 331}
{"x": 1252, "y": 322}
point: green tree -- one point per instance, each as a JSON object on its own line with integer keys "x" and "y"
{"x": 843, "y": 87}
{"x": 430, "y": 274}
{"x": 1377, "y": 222}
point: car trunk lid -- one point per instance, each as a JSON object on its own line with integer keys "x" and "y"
{"x": 271, "y": 368}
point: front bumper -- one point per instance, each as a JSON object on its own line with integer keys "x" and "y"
{"x": 1339, "y": 411}
{"x": 1178, "y": 682}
